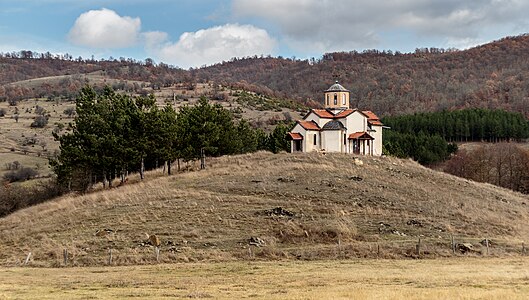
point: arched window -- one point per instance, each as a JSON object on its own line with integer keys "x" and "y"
{"x": 328, "y": 100}
{"x": 343, "y": 99}
{"x": 335, "y": 99}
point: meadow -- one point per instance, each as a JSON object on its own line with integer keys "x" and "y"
{"x": 464, "y": 278}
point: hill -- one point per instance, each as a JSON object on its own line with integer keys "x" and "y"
{"x": 493, "y": 76}
{"x": 285, "y": 206}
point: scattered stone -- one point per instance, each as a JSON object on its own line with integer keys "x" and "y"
{"x": 256, "y": 241}
{"x": 285, "y": 179}
{"x": 358, "y": 162}
{"x": 465, "y": 247}
{"x": 155, "y": 241}
{"x": 356, "y": 178}
{"x": 382, "y": 224}
{"x": 414, "y": 222}
{"x": 396, "y": 232}
{"x": 104, "y": 232}
{"x": 279, "y": 211}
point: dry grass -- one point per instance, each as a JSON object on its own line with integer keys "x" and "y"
{"x": 350, "y": 279}
{"x": 210, "y": 215}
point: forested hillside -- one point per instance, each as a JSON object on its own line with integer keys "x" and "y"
{"x": 493, "y": 76}
{"x": 490, "y": 76}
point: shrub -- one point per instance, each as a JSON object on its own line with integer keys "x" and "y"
{"x": 13, "y": 198}
{"x": 70, "y": 111}
{"x": 21, "y": 174}
{"x": 40, "y": 122}
{"x": 39, "y": 110}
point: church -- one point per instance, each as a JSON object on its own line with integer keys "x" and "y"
{"x": 337, "y": 128}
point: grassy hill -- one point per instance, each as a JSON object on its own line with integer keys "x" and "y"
{"x": 330, "y": 208}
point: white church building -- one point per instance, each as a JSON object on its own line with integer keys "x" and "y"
{"x": 338, "y": 128}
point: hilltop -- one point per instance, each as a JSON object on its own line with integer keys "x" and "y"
{"x": 493, "y": 75}
{"x": 288, "y": 206}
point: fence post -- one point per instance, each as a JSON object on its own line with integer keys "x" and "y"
{"x": 27, "y": 259}
{"x": 487, "y": 245}
{"x": 110, "y": 256}
{"x": 65, "y": 256}
{"x": 378, "y": 250}
{"x": 453, "y": 244}
{"x": 157, "y": 252}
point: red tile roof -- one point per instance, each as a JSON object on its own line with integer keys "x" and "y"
{"x": 370, "y": 115}
{"x": 372, "y": 118}
{"x": 325, "y": 114}
{"x": 361, "y": 135}
{"x": 309, "y": 125}
{"x": 296, "y": 136}
{"x": 322, "y": 113}
{"x": 344, "y": 113}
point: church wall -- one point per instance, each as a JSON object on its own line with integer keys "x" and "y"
{"x": 313, "y": 117}
{"x": 356, "y": 122}
{"x": 377, "y": 150}
{"x": 332, "y": 140}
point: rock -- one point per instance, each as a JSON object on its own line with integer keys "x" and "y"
{"x": 285, "y": 179}
{"x": 256, "y": 241}
{"x": 104, "y": 232}
{"x": 356, "y": 178}
{"x": 155, "y": 241}
{"x": 465, "y": 247}
{"x": 279, "y": 211}
{"x": 358, "y": 162}
{"x": 414, "y": 222}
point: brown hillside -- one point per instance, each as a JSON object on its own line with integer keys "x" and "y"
{"x": 493, "y": 75}
{"x": 490, "y": 76}
{"x": 340, "y": 210}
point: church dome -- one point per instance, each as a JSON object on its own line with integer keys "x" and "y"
{"x": 336, "y": 87}
{"x": 334, "y": 125}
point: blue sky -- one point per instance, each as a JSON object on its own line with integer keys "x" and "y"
{"x": 191, "y": 33}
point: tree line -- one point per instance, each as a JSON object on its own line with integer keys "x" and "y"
{"x": 501, "y": 164}
{"x": 113, "y": 134}
{"x": 464, "y": 125}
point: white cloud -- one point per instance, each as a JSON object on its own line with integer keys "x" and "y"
{"x": 325, "y": 25}
{"x": 104, "y": 28}
{"x": 212, "y": 45}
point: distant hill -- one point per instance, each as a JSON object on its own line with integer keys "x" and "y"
{"x": 494, "y": 75}
{"x": 284, "y": 206}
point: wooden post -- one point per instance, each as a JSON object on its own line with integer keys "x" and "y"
{"x": 487, "y": 245}
{"x": 378, "y": 250}
{"x": 110, "y": 256}
{"x": 453, "y": 244}
{"x": 157, "y": 252}
{"x": 65, "y": 256}
{"x": 142, "y": 169}
{"x": 27, "y": 259}
{"x": 418, "y": 247}
{"x": 202, "y": 159}
{"x": 250, "y": 251}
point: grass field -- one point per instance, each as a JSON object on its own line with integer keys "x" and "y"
{"x": 342, "y": 279}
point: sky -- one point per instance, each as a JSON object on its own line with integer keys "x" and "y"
{"x": 194, "y": 33}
